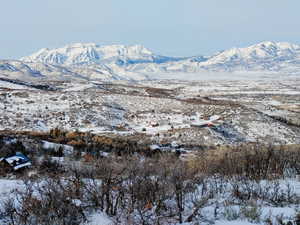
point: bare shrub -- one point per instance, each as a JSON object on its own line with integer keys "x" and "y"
{"x": 50, "y": 167}
{"x": 297, "y": 219}
{"x": 252, "y": 213}
{"x": 48, "y": 202}
{"x": 161, "y": 189}
{"x": 253, "y": 161}
{"x": 57, "y": 133}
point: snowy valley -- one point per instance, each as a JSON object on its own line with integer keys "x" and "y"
{"x": 120, "y": 135}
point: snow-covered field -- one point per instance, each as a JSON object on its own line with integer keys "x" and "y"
{"x": 160, "y": 108}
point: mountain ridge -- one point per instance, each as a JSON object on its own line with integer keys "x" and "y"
{"x": 135, "y": 62}
{"x": 86, "y": 53}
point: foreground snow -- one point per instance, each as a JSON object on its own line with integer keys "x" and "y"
{"x": 99, "y": 219}
{"x": 226, "y": 214}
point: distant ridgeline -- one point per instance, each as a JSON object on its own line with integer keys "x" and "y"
{"x": 119, "y": 62}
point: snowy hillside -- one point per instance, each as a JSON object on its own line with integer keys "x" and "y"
{"x": 25, "y": 71}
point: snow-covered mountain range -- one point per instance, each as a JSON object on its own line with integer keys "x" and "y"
{"x": 90, "y": 53}
{"x": 119, "y": 62}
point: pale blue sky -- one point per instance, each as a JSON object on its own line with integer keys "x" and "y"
{"x": 168, "y": 27}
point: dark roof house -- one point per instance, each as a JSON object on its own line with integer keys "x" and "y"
{"x": 17, "y": 161}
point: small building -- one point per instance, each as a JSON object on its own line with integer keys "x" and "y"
{"x": 154, "y": 124}
{"x": 16, "y": 162}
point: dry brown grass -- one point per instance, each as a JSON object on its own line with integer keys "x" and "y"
{"x": 255, "y": 161}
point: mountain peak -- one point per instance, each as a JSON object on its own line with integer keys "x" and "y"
{"x": 266, "y": 43}
{"x": 278, "y": 45}
{"x": 263, "y": 50}
{"x": 86, "y": 53}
